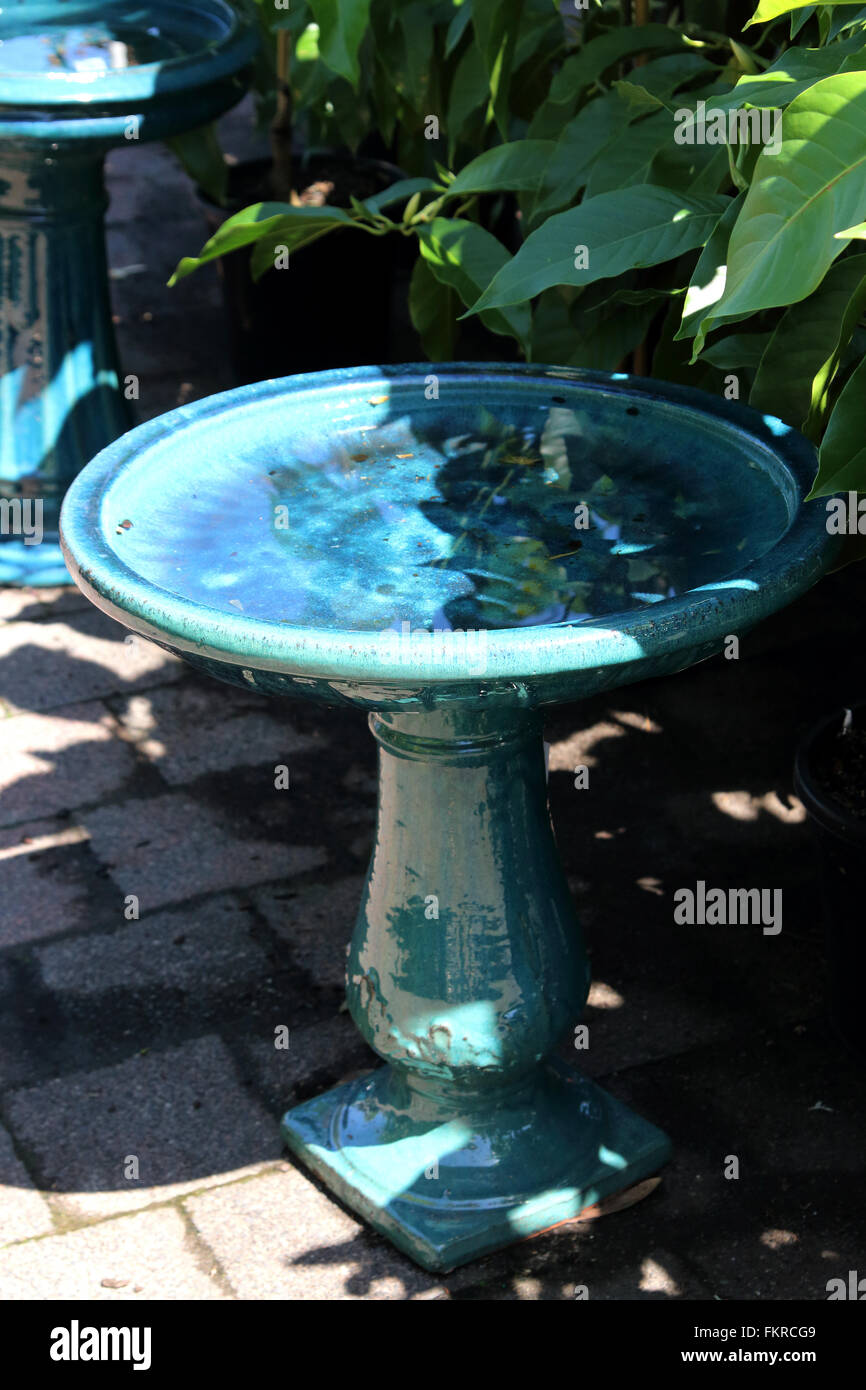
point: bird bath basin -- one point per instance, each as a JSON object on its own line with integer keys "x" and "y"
{"x": 453, "y": 549}
{"x": 76, "y": 79}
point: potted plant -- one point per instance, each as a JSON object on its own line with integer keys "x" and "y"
{"x": 370, "y": 78}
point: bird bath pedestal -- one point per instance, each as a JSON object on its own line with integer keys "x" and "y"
{"x": 75, "y": 79}
{"x": 452, "y": 549}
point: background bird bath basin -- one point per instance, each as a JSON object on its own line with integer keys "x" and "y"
{"x": 76, "y": 79}
{"x": 453, "y": 549}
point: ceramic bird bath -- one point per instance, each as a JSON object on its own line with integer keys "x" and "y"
{"x": 452, "y": 549}
{"x": 75, "y": 79}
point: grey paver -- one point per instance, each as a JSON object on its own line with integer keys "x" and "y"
{"x": 278, "y": 1237}
{"x": 182, "y": 1114}
{"x": 316, "y": 922}
{"x": 149, "y": 1256}
{"x": 198, "y": 947}
{"x": 171, "y": 847}
{"x": 59, "y": 761}
{"x": 45, "y": 665}
{"x": 47, "y": 878}
{"x": 23, "y": 1213}
{"x": 190, "y": 729}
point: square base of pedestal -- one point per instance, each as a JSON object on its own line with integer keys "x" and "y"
{"x": 381, "y": 1175}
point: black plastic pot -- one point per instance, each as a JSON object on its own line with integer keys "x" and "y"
{"x": 842, "y": 840}
{"x": 330, "y": 308}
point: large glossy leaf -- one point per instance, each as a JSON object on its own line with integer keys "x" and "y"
{"x": 621, "y": 231}
{"x": 788, "y": 77}
{"x": 200, "y": 153}
{"x": 628, "y": 160}
{"x": 403, "y": 188}
{"x": 465, "y": 257}
{"x": 784, "y": 239}
{"x": 496, "y": 24}
{"x": 707, "y": 284}
{"x": 433, "y": 309}
{"x": 771, "y": 9}
{"x": 468, "y": 93}
{"x": 517, "y": 167}
{"x": 342, "y": 26}
{"x": 587, "y": 65}
{"x": 806, "y": 337}
{"x": 250, "y": 225}
{"x": 842, "y": 456}
{"x": 586, "y": 138}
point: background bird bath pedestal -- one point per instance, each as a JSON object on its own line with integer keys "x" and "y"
{"x": 326, "y": 537}
{"x": 76, "y": 79}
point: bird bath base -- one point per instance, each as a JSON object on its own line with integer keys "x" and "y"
{"x": 455, "y": 513}
{"x": 469, "y": 1138}
{"x": 565, "y": 1144}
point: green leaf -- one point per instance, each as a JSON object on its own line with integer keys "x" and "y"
{"x": 496, "y": 24}
{"x": 737, "y": 352}
{"x": 585, "y": 139}
{"x": 517, "y": 167}
{"x": 296, "y": 229}
{"x": 467, "y": 95}
{"x": 342, "y": 26}
{"x": 708, "y": 280}
{"x": 621, "y": 230}
{"x": 800, "y": 17}
{"x": 433, "y": 311}
{"x": 627, "y": 161}
{"x": 842, "y": 456}
{"x": 799, "y": 197}
{"x": 771, "y": 9}
{"x": 403, "y": 188}
{"x": 586, "y": 66}
{"x": 465, "y": 257}
{"x": 201, "y": 155}
{"x": 790, "y": 75}
{"x": 807, "y": 337}
{"x": 244, "y": 228}
{"x": 457, "y": 27}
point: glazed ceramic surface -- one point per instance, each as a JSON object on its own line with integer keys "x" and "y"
{"x": 453, "y": 548}
{"x": 76, "y": 79}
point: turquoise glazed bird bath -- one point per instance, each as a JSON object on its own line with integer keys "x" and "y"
{"x": 75, "y": 79}
{"x": 453, "y": 549}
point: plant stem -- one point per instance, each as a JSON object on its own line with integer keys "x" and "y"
{"x": 281, "y": 125}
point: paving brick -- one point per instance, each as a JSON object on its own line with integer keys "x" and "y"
{"x": 316, "y": 923}
{"x": 57, "y": 762}
{"x": 168, "y": 848}
{"x": 23, "y": 1213}
{"x": 18, "y": 603}
{"x": 47, "y": 876}
{"x": 46, "y": 665}
{"x": 197, "y": 948}
{"x": 319, "y": 1055}
{"x": 190, "y": 729}
{"x": 182, "y": 1113}
{"x": 278, "y": 1237}
{"x": 151, "y": 1255}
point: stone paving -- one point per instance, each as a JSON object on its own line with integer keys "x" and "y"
{"x": 140, "y": 1089}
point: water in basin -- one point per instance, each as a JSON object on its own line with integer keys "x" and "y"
{"x": 483, "y": 516}
{"x": 95, "y": 42}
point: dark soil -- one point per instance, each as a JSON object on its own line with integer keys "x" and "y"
{"x": 839, "y": 766}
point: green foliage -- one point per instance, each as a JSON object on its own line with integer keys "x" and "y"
{"x": 654, "y": 206}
